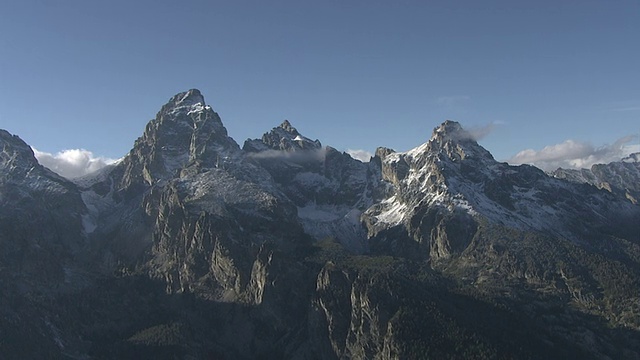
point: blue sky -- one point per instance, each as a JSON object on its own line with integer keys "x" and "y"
{"x": 354, "y": 74}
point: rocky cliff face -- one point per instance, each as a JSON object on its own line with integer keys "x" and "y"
{"x": 186, "y": 131}
{"x": 329, "y": 188}
{"x": 191, "y": 247}
{"x": 186, "y": 206}
{"x": 41, "y": 216}
{"x": 444, "y": 189}
{"x": 43, "y": 227}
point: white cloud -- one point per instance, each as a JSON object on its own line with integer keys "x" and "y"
{"x": 575, "y": 155}
{"x": 478, "y": 133}
{"x": 359, "y": 154}
{"x": 72, "y": 163}
{"x": 293, "y": 156}
{"x": 630, "y": 149}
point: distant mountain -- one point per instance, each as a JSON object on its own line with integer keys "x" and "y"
{"x": 329, "y": 188}
{"x": 452, "y": 179}
{"x": 192, "y": 247}
{"x": 620, "y": 178}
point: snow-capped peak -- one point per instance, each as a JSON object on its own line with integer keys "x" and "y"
{"x": 452, "y": 141}
{"x": 187, "y": 102}
{"x": 14, "y": 151}
{"x": 189, "y": 97}
{"x": 451, "y": 131}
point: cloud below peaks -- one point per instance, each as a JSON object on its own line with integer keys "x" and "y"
{"x": 359, "y": 154}
{"x": 293, "y": 156}
{"x": 571, "y": 154}
{"x": 72, "y": 163}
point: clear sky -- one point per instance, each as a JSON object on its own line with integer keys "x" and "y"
{"x": 354, "y": 74}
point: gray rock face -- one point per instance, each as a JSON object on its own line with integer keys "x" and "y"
{"x": 443, "y": 189}
{"x": 33, "y": 195}
{"x": 191, "y": 247}
{"x": 43, "y": 227}
{"x": 186, "y": 194}
{"x": 186, "y": 131}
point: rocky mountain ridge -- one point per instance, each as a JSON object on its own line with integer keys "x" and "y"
{"x": 192, "y": 247}
{"x": 618, "y": 177}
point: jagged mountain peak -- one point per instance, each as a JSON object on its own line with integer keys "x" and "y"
{"x": 188, "y": 102}
{"x": 187, "y": 98}
{"x": 286, "y": 126}
{"x": 26, "y": 181}
{"x": 449, "y": 146}
{"x": 14, "y": 144}
{"x": 453, "y": 174}
{"x": 5, "y": 135}
{"x": 284, "y": 137}
{"x": 285, "y": 130}
{"x": 456, "y": 143}
{"x": 15, "y": 153}
{"x": 19, "y": 165}
{"x": 452, "y": 131}
{"x": 14, "y": 141}
{"x": 450, "y": 128}
{"x": 185, "y": 131}
{"x": 449, "y": 142}
{"x": 184, "y": 114}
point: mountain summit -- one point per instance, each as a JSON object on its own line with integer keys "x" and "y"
{"x": 192, "y": 247}
{"x": 16, "y": 154}
{"x": 456, "y": 143}
{"x": 282, "y": 138}
{"x": 185, "y": 131}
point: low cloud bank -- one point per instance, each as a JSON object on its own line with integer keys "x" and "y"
{"x": 571, "y": 154}
{"x": 359, "y": 154}
{"x": 294, "y": 156}
{"x": 304, "y": 156}
{"x": 72, "y": 163}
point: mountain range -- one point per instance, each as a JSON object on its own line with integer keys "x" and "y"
{"x": 193, "y": 247}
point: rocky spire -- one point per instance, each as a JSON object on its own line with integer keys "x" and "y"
{"x": 450, "y": 131}
{"x": 284, "y": 137}
{"x": 456, "y": 143}
{"x": 14, "y": 150}
{"x": 286, "y": 126}
{"x": 187, "y": 98}
{"x": 185, "y": 131}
